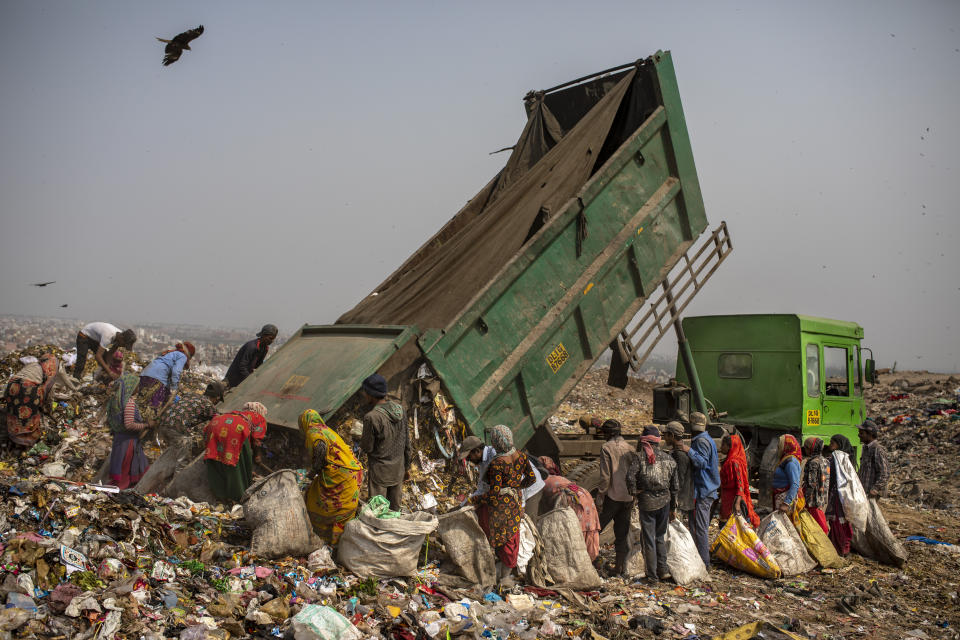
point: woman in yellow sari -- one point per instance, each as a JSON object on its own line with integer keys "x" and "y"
{"x": 333, "y": 496}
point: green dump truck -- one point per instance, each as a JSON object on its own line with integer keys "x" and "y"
{"x": 771, "y": 374}
{"x": 592, "y": 234}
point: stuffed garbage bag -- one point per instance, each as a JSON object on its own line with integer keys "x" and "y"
{"x": 738, "y": 545}
{"x": 683, "y": 560}
{"x": 777, "y": 532}
{"x": 384, "y": 547}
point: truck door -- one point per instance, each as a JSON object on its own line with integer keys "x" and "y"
{"x": 839, "y": 402}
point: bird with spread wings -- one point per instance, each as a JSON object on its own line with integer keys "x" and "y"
{"x": 178, "y": 45}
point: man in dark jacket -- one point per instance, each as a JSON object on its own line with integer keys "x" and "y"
{"x": 386, "y": 442}
{"x": 250, "y": 356}
{"x": 673, "y": 439}
{"x": 653, "y": 479}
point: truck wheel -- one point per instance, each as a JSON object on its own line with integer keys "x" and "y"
{"x": 587, "y": 476}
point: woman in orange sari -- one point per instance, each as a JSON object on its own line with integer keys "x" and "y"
{"x": 333, "y": 496}
{"x": 734, "y": 481}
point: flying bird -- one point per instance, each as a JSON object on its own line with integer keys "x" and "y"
{"x": 178, "y": 45}
{"x": 64, "y": 306}
{"x": 42, "y": 284}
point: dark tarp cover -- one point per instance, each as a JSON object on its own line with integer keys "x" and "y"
{"x": 547, "y": 168}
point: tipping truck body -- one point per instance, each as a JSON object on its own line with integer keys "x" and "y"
{"x": 597, "y": 215}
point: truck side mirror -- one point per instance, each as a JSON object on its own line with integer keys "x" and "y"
{"x": 870, "y": 371}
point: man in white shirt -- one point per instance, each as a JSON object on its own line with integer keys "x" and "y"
{"x": 103, "y": 339}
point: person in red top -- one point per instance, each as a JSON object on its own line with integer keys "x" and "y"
{"x": 734, "y": 481}
{"x": 233, "y": 446}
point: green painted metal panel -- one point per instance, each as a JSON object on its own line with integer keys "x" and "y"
{"x": 319, "y": 367}
{"x": 532, "y": 333}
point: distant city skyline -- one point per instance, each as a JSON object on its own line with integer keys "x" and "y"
{"x": 289, "y": 162}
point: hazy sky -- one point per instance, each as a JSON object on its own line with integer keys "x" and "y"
{"x": 280, "y": 170}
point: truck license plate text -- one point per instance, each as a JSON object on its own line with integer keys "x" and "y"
{"x": 557, "y": 357}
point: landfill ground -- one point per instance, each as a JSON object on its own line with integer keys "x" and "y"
{"x": 157, "y": 567}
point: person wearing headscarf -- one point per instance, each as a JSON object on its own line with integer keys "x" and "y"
{"x": 787, "y": 494}
{"x": 561, "y": 492}
{"x": 386, "y": 442}
{"x": 706, "y": 482}
{"x": 335, "y": 491}
{"x": 233, "y": 446}
{"x": 251, "y": 355}
{"x": 128, "y": 462}
{"x": 735, "y": 481}
{"x": 841, "y": 533}
{"x": 473, "y": 450}
{"x": 652, "y": 478}
{"x": 25, "y": 398}
{"x": 160, "y": 379}
{"x": 613, "y": 496}
{"x": 500, "y": 508}
{"x": 816, "y": 481}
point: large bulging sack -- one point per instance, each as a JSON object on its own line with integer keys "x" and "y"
{"x": 737, "y": 544}
{"x": 852, "y": 496}
{"x": 777, "y": 532}
{"x": 877, "y": 541}
{"x": 683, "y": 560}
{"x": 816, "y": 541}
{"x": 275, "y": 510}
{"x": 384, "y": 547}
{"x": 565, "y": 549}
{"x": 191, "y": 482}
{"x": 467, "y": 546}
{"x": 635, "y": 565}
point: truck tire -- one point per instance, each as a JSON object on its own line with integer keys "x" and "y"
{"x": 587, "y": 476}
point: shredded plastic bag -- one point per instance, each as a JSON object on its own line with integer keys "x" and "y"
{"x": 317, "y": 622}
{"x": 385, "y": 548}
{"x": 683, "y": 560}
{"x": 379, "y": 507}
{"x": 816, "y": 541}
{"x": 877, "y": 541}
{"x": 634, "y": 565}
{"x": 852, "y": 496}
{"x": 467, "y": 546}
{"x": 528, "y": 543}
{"x": 275, "y": 510}
{"x": 321, "y": 560}
{"x": 781, "y": 538}
{"x": 565, "y": 549}
{"x": 737, "y": 544}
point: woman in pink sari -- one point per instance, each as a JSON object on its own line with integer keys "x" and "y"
{"x": 560, "y": 492}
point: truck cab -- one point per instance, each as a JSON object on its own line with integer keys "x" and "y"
{"x": 780, "y": 373}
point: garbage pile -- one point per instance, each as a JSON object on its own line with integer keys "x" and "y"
{"x": 79, "y": 559}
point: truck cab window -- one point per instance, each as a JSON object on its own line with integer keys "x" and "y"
{"x": 813, "y": 370}
{"x": 835, "y": 371}
{"x": 735, "y": 365}
{"x": 858, "y": 377}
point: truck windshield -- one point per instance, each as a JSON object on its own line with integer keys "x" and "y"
{"x": 813, "y": 370}
{"x": 835, "y": 373}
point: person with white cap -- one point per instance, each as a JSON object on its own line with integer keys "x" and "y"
{"x": 706, "y": 481}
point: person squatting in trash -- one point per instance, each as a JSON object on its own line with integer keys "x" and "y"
{"x": 706, "y": 481}
{"x": 558, "y": 492}
{"x": 874, "y": 468}
{"x": 128, "y": 462}
{"x": 787, "y": 494}
{"x": 613, "y": 495}
{"x": 103, "y": 339}
{"x": 250, "y": 356}
{"x": 473, "y": 450}
{"x": 233, "y": 446}
{"x": 386, "y": 442}
{"x": 734, "y": 481}
{"x": 160, "y": 379}
{"x": 816, "y": 481}
{"x": 500, "y": 508}
{"x": 672, "y": 440}
{"x": 652, "y": 478}
{"x": 335, "y": 490}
